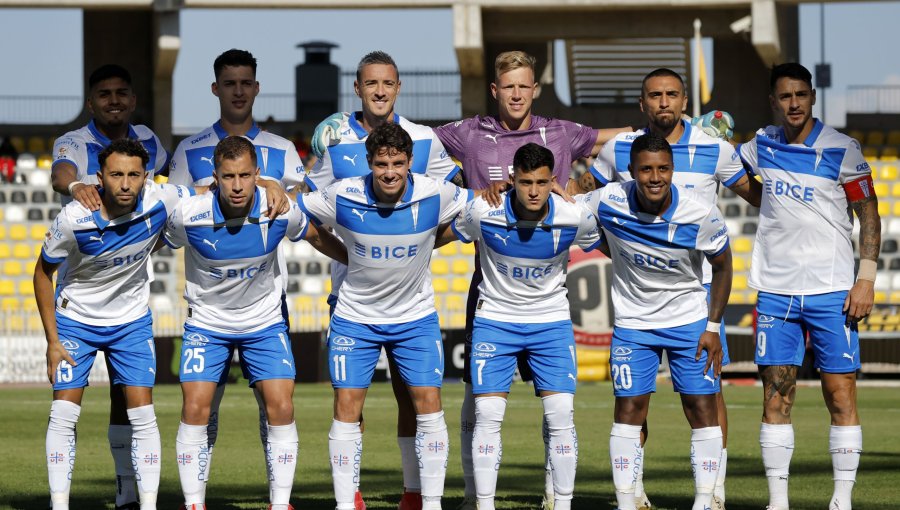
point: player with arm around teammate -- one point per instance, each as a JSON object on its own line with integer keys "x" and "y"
{"x": 522, "y": 308}
{"x": 233, "y": 303}
{"x": 802, "y": 266}
{"x": 101, "y": 303}
{"x": 657, "y": 235}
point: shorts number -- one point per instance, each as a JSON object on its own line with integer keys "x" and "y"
{"x": 63, "y": 372}
{"x": 621, "y": 376}
{"x": 480, "y": 363}
{"x": 761, "y": 344}
{"x": 195, "y": 355}
{"x": 340, "y": 367}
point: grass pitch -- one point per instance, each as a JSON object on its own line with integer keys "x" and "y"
{"x": 238, "y": 475}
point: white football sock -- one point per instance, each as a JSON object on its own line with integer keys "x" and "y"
{"x": 146, "y": 450}
{"x": 432, "y": 450}
{"x": 410, "y": 464}
{"x": 345, "y": 451}
{"x": 719, "y": 491}
{"x": 263, "y": 430}
{"x": 487, "y": 448}
{"x": 777, "y": 443}
{"x": 60, "y": 448}
{"x": 706, "y": 452}
{"x": 845, "y": 444}
{"x": 192, "y": 454}
{"x": 466, "y": 430}
{"x": 119, "y": 437}
{"x": 559, "y": 414}
{"x": 624, "y": 449}
{"x": 212, "y": 431}
{"x": 548, "y": 467}
{"x": 283, "y": 443}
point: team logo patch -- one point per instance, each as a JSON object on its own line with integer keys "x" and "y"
{"x": 764, "y": 319}
{"x": 342, "y": 340}
{"x": 621, "y": 351}
{"x": 69, "y": 345}
{"x": 485, "y": 347}
{"x": 195, "y": 339}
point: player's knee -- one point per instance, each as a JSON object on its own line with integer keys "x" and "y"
{"x": 280, "y": 412}
{"x": 427, "y": 401}
{"x": 842, "y": 404}
{"x": 489, "y": 412}
{"x": 194, "y": 412}
{"x": 559, "y": 411}
{"x": 63, "y": 416}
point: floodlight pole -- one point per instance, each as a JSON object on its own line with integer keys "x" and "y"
{"x": 695, "y": 69}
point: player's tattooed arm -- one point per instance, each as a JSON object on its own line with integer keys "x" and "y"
{"x": 749, "y": 189}
{"x": 861, "y": 297}
{"x": 779, "y": 389}
{"x": 46, "y": 303}
{"x": 327, "y": 243}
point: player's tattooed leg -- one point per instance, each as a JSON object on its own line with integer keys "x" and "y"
{"x": 780, "y": 388}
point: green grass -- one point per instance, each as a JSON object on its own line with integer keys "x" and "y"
{"x": 238, "y": 480}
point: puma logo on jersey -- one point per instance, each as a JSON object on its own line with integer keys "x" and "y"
{"x": 502, "y": 238}
{"x": 213, "y": 244}
{"x": 771, "y": 151}
{"x": 99, "y": 238}
{"x": 209, "y": 159}
{"x": 710, "y": 379}
{"x": 619, "y": 222}
{"x": 362, "y": 215}
{"x": 351, "y": 160}
{"x": 849, "y": 356}
{"x": 286, "y": 362}
{"x": 493, "y": 138}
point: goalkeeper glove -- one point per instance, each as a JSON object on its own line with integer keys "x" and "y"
{"x": 716, "y": 123}
{"x": 327, "y": 133}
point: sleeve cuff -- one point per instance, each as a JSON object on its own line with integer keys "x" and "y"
{"x": 459, "y": 234}
{"x": 735, "y": 178}
{"x": 720, "y": 251}
{"x": 452, "y": 173}
{"x": 308, "y": 214}
{"x": 51, "y": 260}
{"x": 597, "y": 175}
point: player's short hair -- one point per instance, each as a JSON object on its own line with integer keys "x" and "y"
{"x": 375, "y": 57}
{"x": 388, "y": 136}
{"x": 126, "y": 147}
{"x": 532, "y": 156}
{"x": 791, "y": 70}
{"x": 108, "y": 71}
{"x": 650, "y": 142}
{"x": 662, "y": 71}
{"x": 234, "y": 58}
{"x": 512, "y": 60}
{"x": 232, "y": 148}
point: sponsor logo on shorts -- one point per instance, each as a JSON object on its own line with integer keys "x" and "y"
{"x": 486, "y": 347}
{"x": 69, "y": 345}
{"x": 195, "y": 340}
{"x": 621, "y": 354}
{"x": 342, "y": 343}
{"x": 765, "y": 321}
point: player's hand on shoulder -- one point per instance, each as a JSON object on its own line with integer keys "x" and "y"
{"x": 326, "y": 134}
{"x": 563, "y": 192}
{"x": 87, "y": 195}
{"x": 56, "y": 353}
{"x": 491, "y": 194}
{"x": 277, "y": 201}
{"x": 716, "y": 123}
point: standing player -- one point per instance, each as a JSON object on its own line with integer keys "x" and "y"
{"x": 802, "y": 266}
{"x": 390, "y": 218}
{"x": 280, "y": 167}
{"x": 377, "y": 85}
{"x": 702, "y": 163}
{"x": 111, "y": 101}
{"x": 522, "y": 308}
{"x": 657, "y": 235}
{"x": 101, "y": 303}
{"x": 233, "y": 303}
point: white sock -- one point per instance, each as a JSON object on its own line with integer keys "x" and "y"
{"x": 719, "y": 491}
{"x": 559, "y": 414}
{"x": 345, "y": 450}
{"x": 410, "y": 464}
{"x": 466, "y": 430}
{"x": 845, "y": 444}
{"x": 146, "y": 451}
{"x": 432, "y": 450}
{"x": 282, "y": 448}
{"x": 263, "y": 430}
{"x": 487, "y": 448}
{"x": 60, "y": 448}
{"x": 777, "y": 443}
{"x": 624, "y": 449}
{"x": 119, "y": 437}
{"x": 192, "y": 454}
{"x": 548, "y": 467}
{"x": 639, "y": 461}
{"x": 212, "y": 431}
{"x": 706, "y": 452}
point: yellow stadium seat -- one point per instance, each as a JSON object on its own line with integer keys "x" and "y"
{"x": 857, "y": 135}
{"x": 875, "y": 138}
{"x": 746, "y": 321}
{"x": 888, "y": 154}
{"x": 893, "y": 137}
{"x": 884, "y": 209}
{"x": 881, "y": 189}
{"x": 9, "y": 304}
{"x": 455, "y": 302}
{"x": 326, "y": 285}
{"x": 881, "y": 297}
{"x": 449, "y": 250}
{"x": 440, "y": 267}
{"x": 739, "y": 282}
{"x": 736, "y": 298}
{"x": 893, "y": 318}
{"x": 44, "y": 161}
{"x": 467, "y": 249}
{"x": 2, "y": 232}
{"x": 743, "y": 245}
{"x": 5, "y": 252}
{"x": 895, "y": 190}
{"x": 303, "y": 303}
{"x": 461, "y": 266}
{"x": 460, "y": 285}
{"x": 441, "y": 285}
{"x": 2, "y": 212}
{"x": 887, "y": 173}
{"x": 37, "y": 144}
{"x": 38, "y": 232}
{"x": 739, "y": 264}
{"x": 37, "y": 250}
{"x": 22, "y": 251}
{"x": 457, "y": 321}
{"x": 29, "y": 304}
{"x": 7, "y": 288}
{"x": 870, "y": 153}
{"x": 19, "y": 143}
{"x": 438, "y": 302}
{"x": 863, "y": 327}
{"x": 15, "y": 323}
{"x": 895, "y": 299}
{"x": 26, "y": 287}
{"x": 12, "y": 268}
{"x": 751, "y": 298}
{"x": 593, "y": 373}
{"x": 18, "y": 232}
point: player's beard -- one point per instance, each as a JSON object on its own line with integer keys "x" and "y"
{"x": 665, "y": 123}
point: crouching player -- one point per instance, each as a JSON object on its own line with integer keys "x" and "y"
{"x": 522, "y": 308}
{"x": 233, "y": 303}
{"x": 657, "y": 235}
{"x": 101, "y": 303}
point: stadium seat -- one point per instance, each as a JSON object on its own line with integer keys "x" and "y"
{"x": 157, "y": 287}
{"x": 304, "y": 303}
{"x": 732, "y": 211}
{"x": 18, "y": 143}
{"x": 455, "y": 303}
{"x": 883, "y": 281}
{"x": 881, "y": 298}
{"x": 875, "y": 138}
{"x": 881, "y": 189}
{"x": 449, "y": 250}
{"x": 870, "y": 153}
{"x": 12, "y": 268}
{"x": 751, "y": 298}
{"x": 727, "y": 194}
{"x": 326, "y": 285}
{"x": 37, "y": 250}
{"x": 314, "y": 268}
{"x": 460, "y": 285}
{"x": 15, "y": 214}
{"x": 2, "y": 197}
{"x": 857, "y": 135}
{"x": 881, "y": 263}
{"x": 21, "y": 251}
{"x": 739, "y": 282}
{"x": 26, "y": 161}
{"x": 161, "y": 302}
{"x": 461, "y": 266}
{"x": 18, "y": 232}
{"x": 893, "y": 227}
{"x": 7, "y": 288}
{"x": 293, "y": 286}
{"x": 884, "y": 208}
{"x": 736, "y": 298}
{"x": 165, "y": 251}
{"x": 29, "y": 304}
{"x": 887, "y": 173}
{"x": 457, "y": 321}
{"x": 439, "y": 266}
{"x": 9, "y": 304}
{"x": 895, "y": 190}
{"x": 743, "y": 245}
{"x": 161, "y": 267}
{"x": 467, "y": 249}
{"x": 39, "y": 196}
{"x": 896, "y": 208}
{"x": 52, "y": 213}
{"x": 44, "y": 162}
{"x": 894, "y": 264}
{"x": 293, "y": 268}
{"x": 39, "y": 179}
{"x": 739, "y": 264}
{"x": 889, "y": 246}
{"x": 893, "y": 137}
{"x": 752, "y": 211}
{"x": 18, "y": 197}
{"x": 441, "y": 285}
{"x": 26, "y": 287}
{"x": 36, "y": 144}
{"x": 303, "y": 250}
{"x": 311, "y": 286}
{"x": 749, "y": 228}
{"x": 888, "y": 155}
{"x": 35, "y": 214}
{"x": 38, "y": 232}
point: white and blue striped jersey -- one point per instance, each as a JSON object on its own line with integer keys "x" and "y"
{"x": 803, "y": 242}
{"x": 657, "y": 259}
{"x": 193, "y": 165}
{"x": 702, "y": 162}
{"x": 524, "y": 263}
{"x": 348, "y": 157}
{"x": 389, "y": 245}
{"x": 81, "y": 147}
{"x": 230, "y": 265}
{"x": 104, "y": 276}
